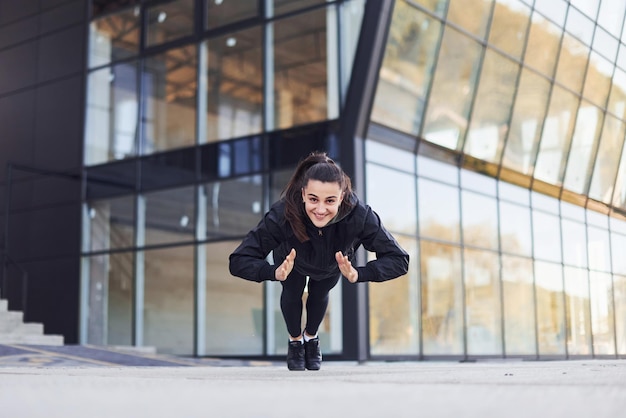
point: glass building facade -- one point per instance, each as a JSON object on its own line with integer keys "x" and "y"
{"x": 487, "y": 134}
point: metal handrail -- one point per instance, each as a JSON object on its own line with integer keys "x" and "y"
{"x": 4, "y": 289}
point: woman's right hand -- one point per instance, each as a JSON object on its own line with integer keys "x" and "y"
{"x": 285, "y": 268}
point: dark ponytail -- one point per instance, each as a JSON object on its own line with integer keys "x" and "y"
{"x": 317, "y": 166}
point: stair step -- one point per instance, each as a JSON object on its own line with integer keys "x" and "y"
{"x": 31, "y": 339}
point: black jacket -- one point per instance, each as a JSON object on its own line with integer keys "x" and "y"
{"x": 316, "y": 257}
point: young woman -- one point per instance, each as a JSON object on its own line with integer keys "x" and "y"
{"x": 313, "y": 231}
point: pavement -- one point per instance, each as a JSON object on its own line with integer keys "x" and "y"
{"x": 94, "y": 382}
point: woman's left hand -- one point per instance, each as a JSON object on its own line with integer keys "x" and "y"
{"x": 345, "y": 266}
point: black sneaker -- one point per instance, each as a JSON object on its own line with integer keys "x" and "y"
{"x": 295, "y": 355}
{"x": 312, "y": 354}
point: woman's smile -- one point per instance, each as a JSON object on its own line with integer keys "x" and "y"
{"x": 321, "y": 201}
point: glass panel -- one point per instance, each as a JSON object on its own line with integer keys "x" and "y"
{"x": 221, "y": 13}
{"x": 304, "y": 69}
{"x": 602, "y": 313}
{"x": 394, "y": 310}
{"x": 513, "y": 193}
{"x": 110, "y": 299}
{"x": 233, "y": 206}
{"x": 436, "y": 6}
{"x": 546, "y": 236}
{"x": 387, "y": 155}
{"x": 434, "y": 169}
{"x": 482, "y": 303}
{"x": 618, "y": 248}
{"x": 599, "y": 249}
{"x": 515, "y": 236}
{"x": 111, "y": 119}
{"x": 597, "y": 219}
{"x": 544, "y": 41}
{"x": 573, "y": 57}
{"x": 617, "y": 97}
{"x": 480, "y": 220}
{"x": 529, "y": 111}
{"x": 407, "y": 69}
{"x": 607, "y": 159}
{"x": 478, "y": 182}
{"x": 574, "y": 243}
{"x": 509, "y": 25}
{"x": 234, "y": 85}
{"x": 572, "y": 211}
{"x": 611, "y": 16}
{"x": 605, "y": 44}
{"x": 442, "y": 299}
{"x": 170, "y": 100}
{"x": 392, "y": 194}
{"x": 619, "y": 195}
{"x": 617, "y": 225}
{"x": 170, "y": 216}
{"x": 452, "y": 91}
{"x": 492, "y": 108}
{"x": 620, "y": 313}
{"x": 588, "y": 7}
{"x": 169, "y": 20}
{"x": 580, "y": 26}
{"x": 550, "y": 310}
{"x": 471, "y": 15}
{"x": 577, "y": 313}
{"x": 234, "y": 307}
{"x": 598, "y": 79}
{"x": 111, "y": 223}
{"x": 519, "y": 305}
{"x": 544, "y": 202}
{"x": 169, "y": 300}
{"x": 114, "y": 37}
{"x": 438, "y": 209}
{"x": 285, "y": 6}
{"x": 99, "y": 7}
{"x": 556, "y": 136}
{"x": 584, "y": 142}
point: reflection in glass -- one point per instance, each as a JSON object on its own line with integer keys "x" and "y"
{"x": 551, "y": 326}
{"x": 170, "y": 216}
{"x": 442, "y": 299}
{"x": 611, "y": 16}
{"x": 598, "y": 80}
{"x": 519, "y": 304}
{"x": 607, "y": 159}
{"x": 407, "y": 69}
{"x": 110, "y": 299}
{"x": 619, "y": 283}
{"x": 617, "y": 97}
{"x": 570, "y": 70}
{"x": 509, "y": 25}
{"x": 377, "y": 152}
{"x": 556, "y": 136}
{"x": 599, "y": 249}
{"x": 305, "y": 69}
{"x": 544, "y": 202}
{"x": 438, "y": 209}
{"x": 584, "y": 142}
{"x": 492, "y": 108}
{"x": 544, "y": 40}
{"x": 515, "y": 236}
{"x": 169, "y": 300}
{"x": 482, "y": 302}
{"x": 480, "y": 220}
{"x": 525, "y": 129}
{"x": 577, "y": 311}
{"x": 478, "y": 182}
{"x": 619, "y": 194}
{"x": 169, "y": 20}
{"x": 574, "y": 243}
{"x": 471, "y": 15}
{"x": 235, "y": 322}
{"x": 513, "y": 193}
{"x": 579, "y": 25}
{"x": 113, "y": 37}
{"x": 546, "y": 236}
{"x": 233, "y": 206}
{"x": 572, "y": 211}
{"x": 437, "y": 170}
{"x": 452, "y": 91}
{"x": 602, "y": 313}
{"x": 220, "y": 13}
{"x": 111, "y": 119}
{"x": 234, "y": 85}
{"x": 111, "y": 223}
{"x": 618, "y": 247}
{"x": 170, "y": 100}
{"x": 394, "y": 311}
{"x": 392, "y": 194}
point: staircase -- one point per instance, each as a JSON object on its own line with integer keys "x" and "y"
{"x": 13, "y": 329}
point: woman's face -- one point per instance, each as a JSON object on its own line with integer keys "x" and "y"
{"x": 321, "y": 201}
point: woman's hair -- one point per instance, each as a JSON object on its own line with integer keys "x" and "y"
{"x": 317, "y": 166}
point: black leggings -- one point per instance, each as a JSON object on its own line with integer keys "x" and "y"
{"x": 316, "y": 303}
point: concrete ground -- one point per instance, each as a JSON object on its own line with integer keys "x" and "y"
{"x": 82, "y": 382}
